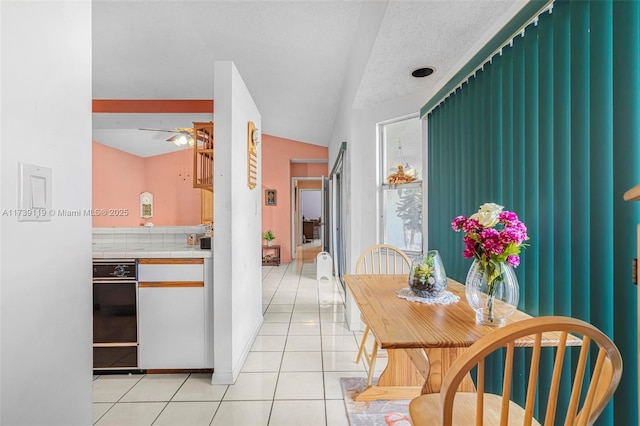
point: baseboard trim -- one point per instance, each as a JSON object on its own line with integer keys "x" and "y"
{"x": 179, "y": 370}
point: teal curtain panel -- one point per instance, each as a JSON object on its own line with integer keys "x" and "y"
{"x": 549, "y": 127}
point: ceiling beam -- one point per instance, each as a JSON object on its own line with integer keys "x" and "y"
{"x": 152, "y": 106}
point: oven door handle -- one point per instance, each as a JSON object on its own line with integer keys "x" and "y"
{"x": 114, "y": 281}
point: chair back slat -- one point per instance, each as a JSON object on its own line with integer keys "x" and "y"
{"x": 533, "y": 381}
{"x": 480, "y": 394}
{"x": 552, "y": 402}
{"x": 596, "y": 376}
{"x": 383, "y": 259}
{"x": 576, "y": 389}
{"x": 605, "y": 372}
{"x": 506, "y": 385}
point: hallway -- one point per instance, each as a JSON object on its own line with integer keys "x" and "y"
{"x": 307, "y": 252}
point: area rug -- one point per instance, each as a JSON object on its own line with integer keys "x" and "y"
{"x": 374, "y": 413}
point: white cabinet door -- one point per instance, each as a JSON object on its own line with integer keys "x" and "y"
{"x": 159, "y": 272}
{"x": 171, "y": 326}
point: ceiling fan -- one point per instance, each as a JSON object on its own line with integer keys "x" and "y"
{"x": 183, "y": 135}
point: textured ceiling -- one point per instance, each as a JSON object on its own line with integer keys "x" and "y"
{"x": 292, "y": 55}
{"x": 414, "y": 34}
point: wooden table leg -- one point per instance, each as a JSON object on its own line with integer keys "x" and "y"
{"x": 401, "y": 379}
{"x": 440, "y": 360}
{"x": 411, "y": 372}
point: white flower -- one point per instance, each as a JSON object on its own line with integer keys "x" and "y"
{"x": 488, "y": 215}
{"x": 491, "y": 208}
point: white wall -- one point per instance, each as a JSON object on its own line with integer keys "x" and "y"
{"x": 237, "y": 270}
{"x": 311, "y": 203}
{"x": 357, "y": 159}
{"x": 45, "y": 268}
{"x": 363, "y": 214}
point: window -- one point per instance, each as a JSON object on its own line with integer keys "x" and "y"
{"x": 401, "y": 183}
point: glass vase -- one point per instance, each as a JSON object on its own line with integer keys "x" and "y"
{"x": 492, "y": 301}
{"x": 427, "y": 277}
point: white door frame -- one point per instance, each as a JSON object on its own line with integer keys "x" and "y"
{"x": 294, "y": 243}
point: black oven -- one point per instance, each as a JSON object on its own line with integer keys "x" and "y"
{"x": 115, "y": 320}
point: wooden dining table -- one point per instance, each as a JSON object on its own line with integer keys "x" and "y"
{"x": 422, "y": 340}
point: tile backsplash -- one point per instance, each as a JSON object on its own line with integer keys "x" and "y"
{"x": 145, "y": 235}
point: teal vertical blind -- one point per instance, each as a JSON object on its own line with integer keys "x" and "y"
{"x": 626, "y": 155}
{"x": 550, "y": 128}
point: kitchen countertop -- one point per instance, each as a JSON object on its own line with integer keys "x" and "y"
{"x": 120, "y": 251}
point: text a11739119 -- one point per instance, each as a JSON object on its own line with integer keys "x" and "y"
{"x": 65, "y": 212}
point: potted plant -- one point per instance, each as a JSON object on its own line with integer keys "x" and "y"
{"x": 269, "y": 236}
{"x": 427, "y": 278}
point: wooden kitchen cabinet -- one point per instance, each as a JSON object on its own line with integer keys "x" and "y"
{"x": 203, "y": 155}
{"x": 173, "y": 300}
{"x": 206, "y": 207}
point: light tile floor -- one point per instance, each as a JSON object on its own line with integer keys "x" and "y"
{"x": 291, "y": 376}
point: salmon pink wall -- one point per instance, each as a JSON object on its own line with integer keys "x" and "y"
{"x": 309, "y": 169}
{"x": 120, "y": 177}
{"x": 276, "y": 174}
{"x": 169, "y": 177}
{"x": 118, "y": 180}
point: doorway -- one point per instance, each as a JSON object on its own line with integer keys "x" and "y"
{"x": 311, "y": 210}
{"x": 307, "y": 237}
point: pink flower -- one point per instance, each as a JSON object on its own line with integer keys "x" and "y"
{"x": 471, "y": 226}
{"x": 458, "y": 222}
{"x": 523, "y": 231}
{"x": 489, "y": 235}
{"x": 497, "y": 240}
{"x": 490, "y": 238}
{"x": 508, "y": 218}
{"x": 511, "y": 235}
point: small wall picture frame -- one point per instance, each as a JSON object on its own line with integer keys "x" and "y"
{"x": 270, "y": 197}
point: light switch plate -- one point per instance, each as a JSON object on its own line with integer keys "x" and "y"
{"x": 34, "y": 193}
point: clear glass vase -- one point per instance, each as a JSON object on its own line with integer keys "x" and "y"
{"x": 427, "y": 277}
{"x": 493, "y": 301}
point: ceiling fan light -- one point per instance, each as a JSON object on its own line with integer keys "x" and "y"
{"x": 183, "y": 140}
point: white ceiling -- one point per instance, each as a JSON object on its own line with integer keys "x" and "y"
{"x": 293, "y": 56}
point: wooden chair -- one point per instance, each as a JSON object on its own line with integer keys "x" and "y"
{"x": 462, "y": 408}
{"x": 378, "y": 259}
